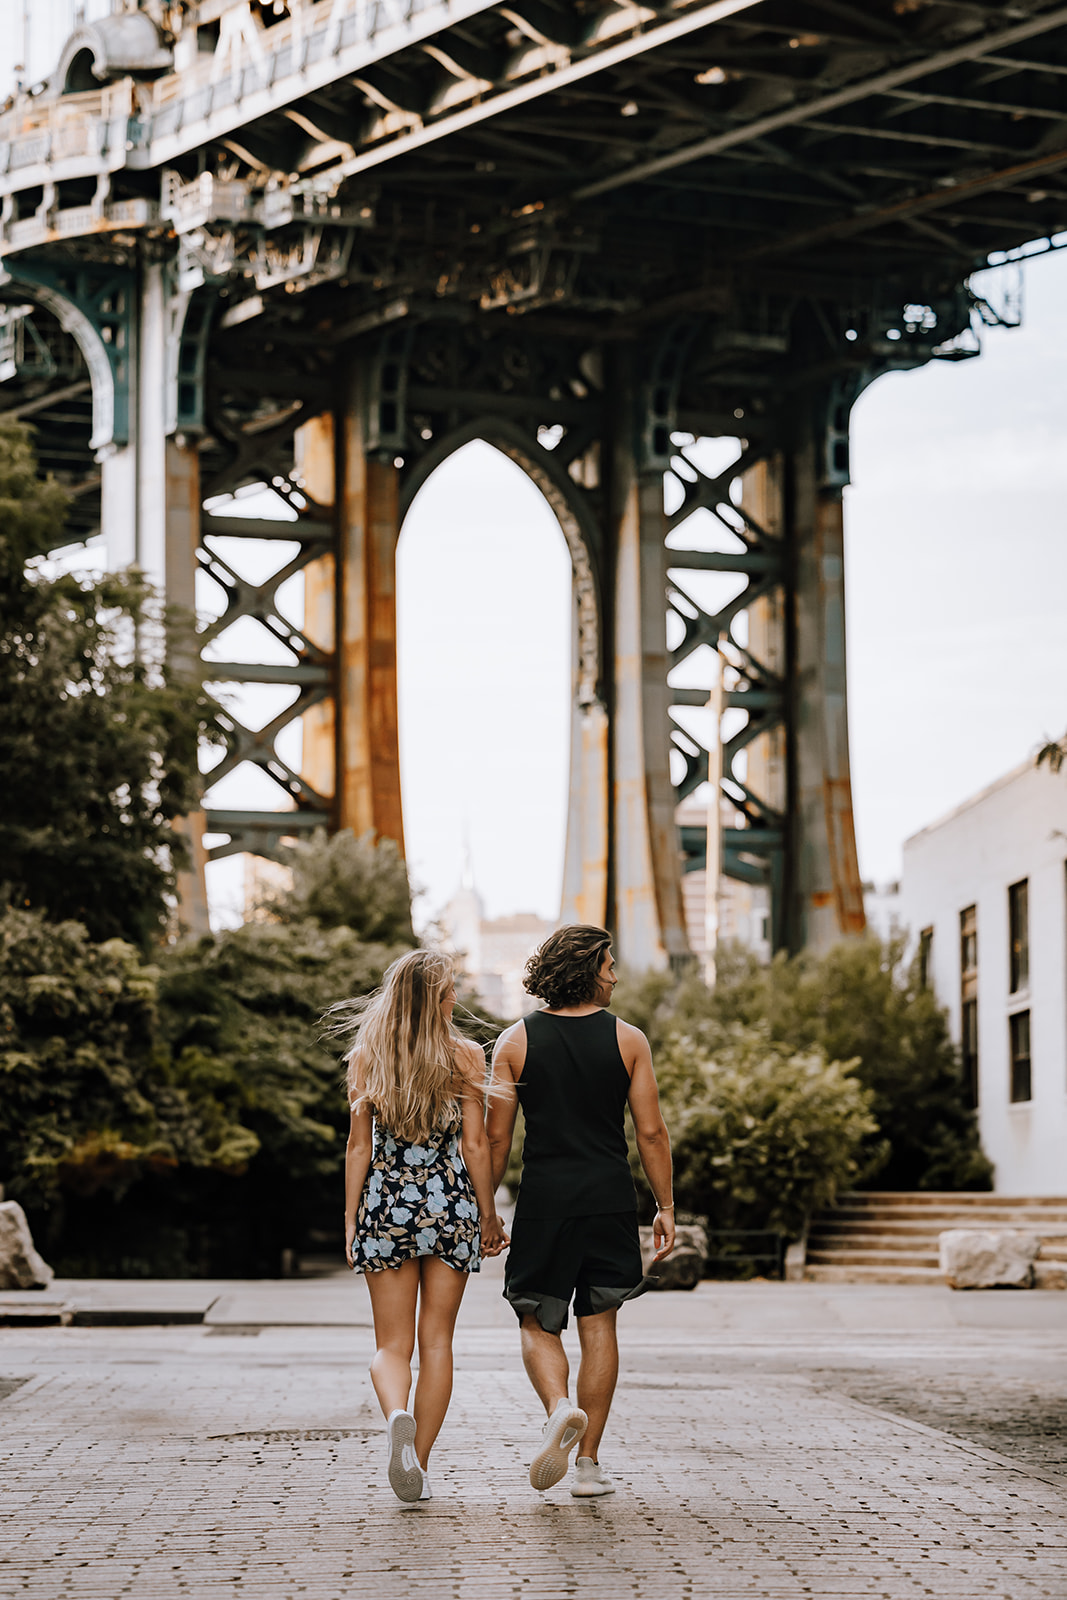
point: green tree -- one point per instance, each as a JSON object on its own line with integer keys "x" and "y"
{"x": 98, "y": 749}
{"x": 345, "y": 881}
{"x": 858, "y": 1002}
{"x": 179, "y": 1118}
{"x": 95, "y": 1112}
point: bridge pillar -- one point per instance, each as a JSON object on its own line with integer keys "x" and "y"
{"x": 585, "y": 865}
{"x": 315, "y": 450}
{"x": 823, "y": 896}
{"x": 368, "y": 744}
{"x": 181, "y": 465}
{"x": 645, "y": 908}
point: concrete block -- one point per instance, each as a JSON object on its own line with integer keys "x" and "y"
{"x": 1000, "y": 1259}
{"x": 20, "y": 1265}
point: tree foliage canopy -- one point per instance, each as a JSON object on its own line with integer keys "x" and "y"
{"x": 98, "y": 751}
{"x": 347, "y": 881}
{"x": 176, "y": 1117}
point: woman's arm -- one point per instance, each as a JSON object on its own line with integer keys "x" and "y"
{"x": 358, "y": 1154}
{"x": 475, "y": 1148}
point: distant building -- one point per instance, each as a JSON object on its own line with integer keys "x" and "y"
{"x": 984, "y": 895}
{"x": 881, "y": 905}
{"x": 494, "y": 950}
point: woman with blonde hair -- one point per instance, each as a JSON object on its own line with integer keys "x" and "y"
{"x": 419, "y": 1206}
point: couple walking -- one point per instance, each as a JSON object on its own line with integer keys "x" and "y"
{"x": 427, "y": 1149}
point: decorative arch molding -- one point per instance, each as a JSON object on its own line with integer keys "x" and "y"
{"x": 576, "y": 524}
{"x": 110, "y": 419}
{"x": 115, "y": 46}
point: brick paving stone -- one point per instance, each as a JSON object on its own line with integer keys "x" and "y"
{"x": 171, "y": 1464}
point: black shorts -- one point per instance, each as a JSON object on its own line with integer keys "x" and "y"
{"x": 596, "y": 1259}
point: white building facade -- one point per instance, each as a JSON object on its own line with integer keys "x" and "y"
{"x": 984, "y": 895}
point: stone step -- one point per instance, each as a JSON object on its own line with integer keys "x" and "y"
{"x": 831, "y": 1228}
{"x": 880, "y": 1274}
{"x": 873, "y": 1258}
{"x": 935, "y": 1221}
{"x": 944, "y": 1197}
{"x": 920, "y": 1214}
{"x": 885, "y": 1246}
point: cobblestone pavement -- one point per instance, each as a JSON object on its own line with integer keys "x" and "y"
{"x": 760, "y": 1454}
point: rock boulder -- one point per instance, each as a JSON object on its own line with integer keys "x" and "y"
{"x": 20, "y": 1265}
{"x": 997, "y": 1259}
{"x": 684, "y": 1267}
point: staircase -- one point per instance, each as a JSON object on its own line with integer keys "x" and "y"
{"x": 893, "y": 1238}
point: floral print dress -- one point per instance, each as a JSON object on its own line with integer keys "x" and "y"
{"x": 417, "y": 1201}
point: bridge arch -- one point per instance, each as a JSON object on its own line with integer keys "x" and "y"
{"x": 584, "y": 896}
{"x": 577, "y": 526}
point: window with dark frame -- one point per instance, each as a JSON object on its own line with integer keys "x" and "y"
{"x": 1021, "y": 1076}
{"x": 1019, "y": 935}
{"x": 969, "y": 1003}
{"x": 926, "y": 951}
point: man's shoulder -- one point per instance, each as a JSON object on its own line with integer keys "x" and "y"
{"x": 627, "y": 1030}
{"x": 512, "y": 1037}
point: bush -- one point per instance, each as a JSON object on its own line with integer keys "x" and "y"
{"x": 345, "y": 881}
{"x": 858, "y": 1003}
{"x": 94, "y": 1112}
{"x": 181, "y": 1118}
{"x": 762, "y": 1134}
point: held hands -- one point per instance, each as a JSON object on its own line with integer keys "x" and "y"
{"x": 663, "y": 1234}
{"x": 494, "y": 1237}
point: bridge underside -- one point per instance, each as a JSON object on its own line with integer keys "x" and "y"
{"x": 334, "y": 248}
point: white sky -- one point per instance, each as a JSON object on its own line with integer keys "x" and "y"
{"x": 956, "y": 562}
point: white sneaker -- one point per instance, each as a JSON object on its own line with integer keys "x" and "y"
{"x": 590, "y": 1479}
{"x": 427, "y": 1492}
{"x": 405, "y": 1474}
{"x": 562, "y": 1431}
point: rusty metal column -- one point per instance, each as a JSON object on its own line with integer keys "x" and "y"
{"x": 585, "y": 863}
{"x": 825, "y": 898}
{"x": 182, "y": 535}
{"x": 315, "y": 447}
{"x": 648, "y": 912}
{"x": 368, "y": 745}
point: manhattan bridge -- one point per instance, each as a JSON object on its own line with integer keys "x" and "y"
{"x": 323, "y": 244}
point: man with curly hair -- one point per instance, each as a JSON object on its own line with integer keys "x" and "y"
{"x": 574, "y": 1067}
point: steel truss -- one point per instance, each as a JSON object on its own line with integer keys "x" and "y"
{"x": 346, "y": 237}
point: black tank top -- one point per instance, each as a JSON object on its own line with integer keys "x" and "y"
{"x": 573, "y": 1093}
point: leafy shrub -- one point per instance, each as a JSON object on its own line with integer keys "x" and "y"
{"x": 179, "y": 1118}
{"x": 857, "y": 1003}
{"x": 97, "y": 752}
{"x": 345, "y": 881}
{"x": 762, "y": 1134}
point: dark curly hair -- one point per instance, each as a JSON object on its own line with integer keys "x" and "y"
{"x": 564, "y": 971}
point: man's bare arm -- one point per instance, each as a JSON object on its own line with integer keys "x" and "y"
{"x": 653, "y": 1140}
{"x": 509, "y": 1057}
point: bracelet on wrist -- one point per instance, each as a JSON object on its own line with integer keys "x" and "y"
{"x": 665, "y": 1208}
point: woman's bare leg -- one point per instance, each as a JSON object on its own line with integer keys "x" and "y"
{"x": 393, "y": 1296}
{"x": 439, "y": 1300}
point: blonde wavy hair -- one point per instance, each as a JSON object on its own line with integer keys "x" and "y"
{"x": 403, "y": 1063}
